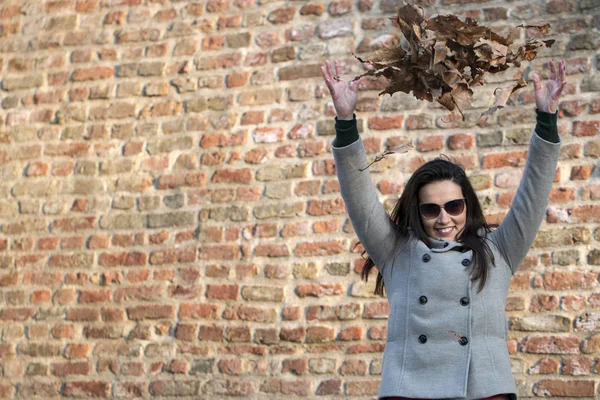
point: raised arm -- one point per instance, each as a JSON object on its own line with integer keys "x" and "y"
{"x": 517, "y": 231}
{"x": 371, "y": 223}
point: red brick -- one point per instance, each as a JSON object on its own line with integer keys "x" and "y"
{"x": 352, "y": 333}
{"x": 156, "y": 311}
{"x": 461, "y": 141}
{"x": 86, "y": 389}
{"x": 232, "y": 176}
{"x": 221, "y": 252}
{"x": 430, "y": 143}
{"x": 213, "y": 43}
{"x": 75, "y": 350}
{"x": 222, "y": 292}
{"x": 386, "y": 122}
{"x": 211, "y": 333}
{"x": 294, "y": 229}
{"x": 40, "y": 296}
{"x": 83, "y": 314}
{"x": 513, "y": 159}
{"x": 232, "y": 21}
{"x": 572, "y": 303}
{"x": 581, "y": 172}
{"x": 285, "y": 151}
{"x": 330, "y": 226}
{"x": 545, "y": 366}
{"x": 313, "y": 9}
{"x": 237, "y": 79}
{"x": 562, "y": 195}
{"x": 217, "y": 6}
{"x": 542, "y": 302}
{"x": 307, "y": 249}
{"x": 572, "y": 108}
{"x": 165, "y": 15}
{"x": 70, "y": 368}
{"x": 566, "y": 280}
{"x": 564, "y": 388}
{"x": 37, "y": 169}
{"x": 257, "y": 156}
{"x": 577, "y": 366}
{"x": 583, "y": 214}
{"x": 93, "y": 73}
{"x": 253, "y": 118}
{"x": 126, "y": 259}
{"x": 586, "y": 128}
{"x": 318, "y": 290}
{"x": 282, "y": 15}
{"x": 84, "y": 6}
{"x": 550, "y": 345}
{"x": 271, "y": 250}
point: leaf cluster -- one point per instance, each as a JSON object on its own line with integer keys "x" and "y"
{"x": 442, "y": 58}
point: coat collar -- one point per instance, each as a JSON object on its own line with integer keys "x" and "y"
{"x": 440, "y": 246}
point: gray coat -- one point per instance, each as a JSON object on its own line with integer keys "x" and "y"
{"x": 444, "y": 339}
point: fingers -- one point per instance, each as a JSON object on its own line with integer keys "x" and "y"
{"x": 327, "y": 76}
{"x": 537, "y": 84}
{"x": 331, "y": 72}
{"x": 325, "y": 70}
{"x": 561, "y": 81}
{"x": 552, "y": 70}
{"x": 563, "y": 73}
{"x": 338, "y": 68}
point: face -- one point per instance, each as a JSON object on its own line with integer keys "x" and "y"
{"x": 444, "y": 226}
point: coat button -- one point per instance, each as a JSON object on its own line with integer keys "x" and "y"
{"x": 426, "y": 257}
{"x": 446, "y": 244}
{"x": 464, "y": 301}
{"x": 422, "y": 338}
{"x": 463, "y": 341}
{"x": 423, "y": 299}
{"x": 466, "y": 262}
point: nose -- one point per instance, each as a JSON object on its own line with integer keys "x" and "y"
{"x": 443, "y": 217}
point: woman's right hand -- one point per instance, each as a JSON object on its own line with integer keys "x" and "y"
{"x": 342, "y": 93}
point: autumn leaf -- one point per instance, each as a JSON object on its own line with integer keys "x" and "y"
{"x": 441, "y": 58}
{"x": 502, "y": 95}
{"x": 543, "y": 27}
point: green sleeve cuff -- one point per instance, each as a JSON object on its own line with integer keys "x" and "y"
{"x": 346, "y": 132}
{"x": 546, "y": 126}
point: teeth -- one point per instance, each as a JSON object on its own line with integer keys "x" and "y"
{"x": 445, "y": 230}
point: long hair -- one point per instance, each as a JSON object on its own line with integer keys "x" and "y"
{"x": 406, "y": 217}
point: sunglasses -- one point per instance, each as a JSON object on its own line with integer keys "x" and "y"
{"x": 453, "y": 207}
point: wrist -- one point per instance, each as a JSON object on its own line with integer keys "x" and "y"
{"x": 345, "y": 117}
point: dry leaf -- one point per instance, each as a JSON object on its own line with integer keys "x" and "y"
{"x": 543, "y": 27}
{"x": 402, "y": 148}
{"x": 441, "y": 58}
{"x": 502, "y": 95}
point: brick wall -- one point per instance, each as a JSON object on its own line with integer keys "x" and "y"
{"x": 171, "y": 224}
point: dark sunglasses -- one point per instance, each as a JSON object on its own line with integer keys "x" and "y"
{"x": 453, "y": 207}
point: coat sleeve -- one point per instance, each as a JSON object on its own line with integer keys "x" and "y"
{"x": 517, "y": 231}
{"x": 371, "y": 222}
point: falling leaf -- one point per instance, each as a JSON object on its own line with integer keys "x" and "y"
{"x": 543, "y": 27}
{"x": 402, "y": 148}
{"x": 440, "y": 53}
{"x": 502, "y": 95}
{"x": 441, "y": 58}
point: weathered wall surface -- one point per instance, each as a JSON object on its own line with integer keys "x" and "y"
{"x": 171, "y": 224}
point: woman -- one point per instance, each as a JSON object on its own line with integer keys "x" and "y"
{"x": 445, "y": 272}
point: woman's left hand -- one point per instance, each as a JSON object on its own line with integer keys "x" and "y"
{"x": 547, "y": 96}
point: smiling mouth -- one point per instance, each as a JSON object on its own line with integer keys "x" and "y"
{"x": 444, "y": 231}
